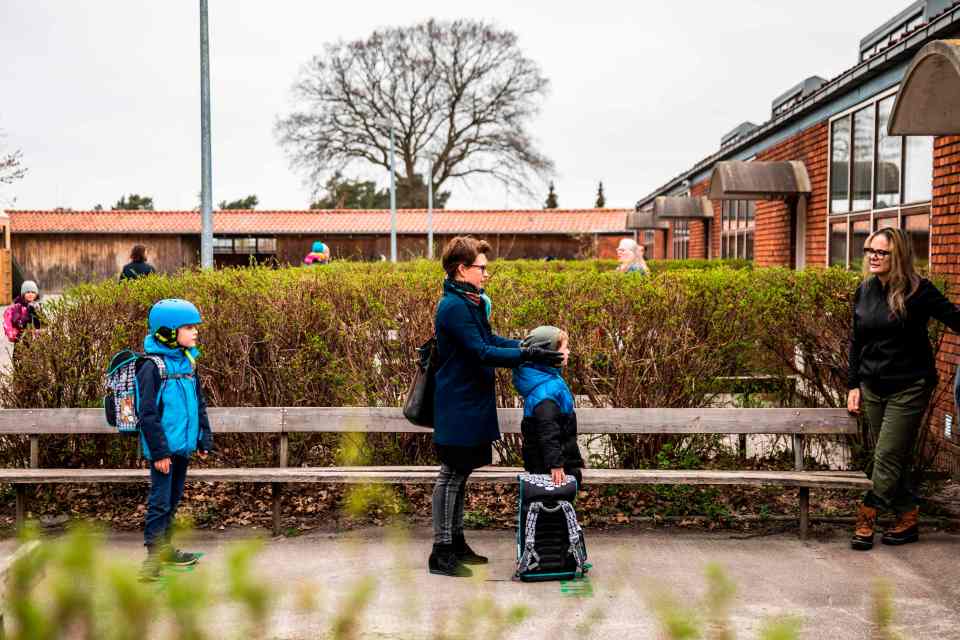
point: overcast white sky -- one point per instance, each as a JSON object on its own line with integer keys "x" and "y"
{"x": 103, "y": 98}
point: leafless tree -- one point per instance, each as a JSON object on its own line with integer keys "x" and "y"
{"x": 11, "y": 168}
{"x": 459, "y": 92}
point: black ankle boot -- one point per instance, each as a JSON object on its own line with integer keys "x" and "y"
{"x": 444, "y": 562}
{"x": 465, "y": 554}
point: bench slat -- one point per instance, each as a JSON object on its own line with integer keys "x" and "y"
{"x": 390, "y": 420}
{"x": 427, "y": 475}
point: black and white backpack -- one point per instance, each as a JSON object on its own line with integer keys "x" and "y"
{"x": 550, "y": 543}
{"x": 122, "y": 401}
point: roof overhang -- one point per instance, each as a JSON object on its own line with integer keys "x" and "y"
{"x": 929, "y": 96}
{"x": 682, "y": 208}
{"x": 738, "y": 180}
{"x": 645, "y": 220}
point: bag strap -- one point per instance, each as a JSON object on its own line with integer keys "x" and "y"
{"x": 574, "y": 533}
{"x": 530, "y": 559}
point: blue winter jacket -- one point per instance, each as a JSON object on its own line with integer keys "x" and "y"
{"x": 173, "y": 413}
{"x": 549, "y": 425}
{"x": 465, "y": 402}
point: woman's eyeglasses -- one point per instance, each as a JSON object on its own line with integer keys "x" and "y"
{"x": 482, "y": 267}
{"x": 880, "y": 253}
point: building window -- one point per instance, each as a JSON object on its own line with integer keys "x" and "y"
{"x": 245, "y": 245}
{"x": 876, "y": 181}
{"x": 737, "y": 225}
{"x": 681, "y": 239}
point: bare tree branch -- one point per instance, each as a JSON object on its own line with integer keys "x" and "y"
{"x": 459, "y": 92}
{"x": 11, "y": 168}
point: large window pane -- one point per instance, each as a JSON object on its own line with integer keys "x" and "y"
{"x": 751, "y": 214}
{"x": 886, "y": 221}
{"x": 862, "y": 158}
{"x": 223, "y": 245}
{"x": 840, "y": 166}
{"x": 919, "y": 228}
{"x": 918, "y": 169}
{"x": 266, "y": 245}
{"x": 859, "y": 232}
{"x": 838, "y": 244}
{"x": 749, "y": 249}
{"x": 888, "y": 159}
{"x": 245, "y": 245}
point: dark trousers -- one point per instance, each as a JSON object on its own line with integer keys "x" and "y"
{"x": 448, "y": 504}
{"x": 894, "y": 422}
{"x": 166, "y": 489}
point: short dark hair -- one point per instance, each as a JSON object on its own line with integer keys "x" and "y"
{"x": 462, "y": 250}
{"x": 138, "y": 253}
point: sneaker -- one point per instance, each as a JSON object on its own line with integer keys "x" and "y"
{"x": 862, "y": 539}
{"x": 905, "y": 530}
{"x": 151, "y": 570}
{"x": 444, "y": 562}
{"x": 179, "y": 558}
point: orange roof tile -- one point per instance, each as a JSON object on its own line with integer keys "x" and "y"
{"x": 328, "y": 222}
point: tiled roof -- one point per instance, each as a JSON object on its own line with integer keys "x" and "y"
{"x": 327, "y": 222}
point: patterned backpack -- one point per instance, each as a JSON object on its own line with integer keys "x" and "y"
{"x": 550, "y": 544}
{"x": 121, "y": 402}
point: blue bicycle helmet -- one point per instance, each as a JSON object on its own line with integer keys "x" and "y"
{"x": 172, "y": 314}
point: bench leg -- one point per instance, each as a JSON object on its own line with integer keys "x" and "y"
{"x": 21, "y": 505}
{"x": 804, "y": 512}
{"x": 277, "y": 489}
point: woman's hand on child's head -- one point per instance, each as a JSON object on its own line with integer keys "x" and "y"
{"x": 162, "y": 465}
{"x": 558, "y": 476}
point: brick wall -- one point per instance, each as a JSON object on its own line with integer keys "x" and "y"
{"x": 772, "y": 240}
{"x": 945, "y": 262}
{"x": 699, "y": 230}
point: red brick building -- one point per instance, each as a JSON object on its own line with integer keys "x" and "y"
{"x": 860, "y": 179}
{"x": 61, "y": 248}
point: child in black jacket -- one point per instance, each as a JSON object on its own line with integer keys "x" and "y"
{"x": 549, "y": 424}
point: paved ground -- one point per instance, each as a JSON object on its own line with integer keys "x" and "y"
{"x": 822, "y": 581}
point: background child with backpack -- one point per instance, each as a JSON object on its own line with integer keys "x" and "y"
{"x": 173, "y": 423}
{"x": 24, "y": 313}
{"x": 549, "y": 423}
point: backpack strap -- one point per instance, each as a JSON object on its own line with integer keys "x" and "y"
{"x": 530, "y": 559}
{"x": 575, "y": 535}
{"x": 161, "y": 365}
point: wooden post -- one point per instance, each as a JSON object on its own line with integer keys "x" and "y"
{"x": 21, "y": 504}
{"x": 276, "y": 487}
{"x": 804, "y": 491}
{"x": 23, "y": 490}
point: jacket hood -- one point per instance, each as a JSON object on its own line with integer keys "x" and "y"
{"x": 528, "y": 377}
{"x": 150, "y": 345}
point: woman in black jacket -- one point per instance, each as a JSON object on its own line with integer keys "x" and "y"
{"x": 465, "y": 404}
{"x": 892, "y": 375}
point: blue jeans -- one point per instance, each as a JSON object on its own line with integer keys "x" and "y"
{"x": 166, "y": 489}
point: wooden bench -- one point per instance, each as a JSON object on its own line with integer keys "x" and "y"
{"x": 796, "y": 423}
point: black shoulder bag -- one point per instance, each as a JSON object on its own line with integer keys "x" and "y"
{"x": 418, "y": 406}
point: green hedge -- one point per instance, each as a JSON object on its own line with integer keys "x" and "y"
{"x": 345, "y": 335}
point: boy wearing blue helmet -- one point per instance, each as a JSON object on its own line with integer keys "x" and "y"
{"x": 173, "y": 424}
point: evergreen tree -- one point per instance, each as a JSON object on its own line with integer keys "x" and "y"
{"x": 551, "y": 199}
{"x": 134, "y": 202}
{"x": 250, "y": 202}
{"x": 601, "y": 201}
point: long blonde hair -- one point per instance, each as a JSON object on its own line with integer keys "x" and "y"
{"x": 903, "y": 280}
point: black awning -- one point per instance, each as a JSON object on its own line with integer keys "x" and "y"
{"x": 682, "y": 208}
{"x": 645, "y": 220}
{"x": 929, "y": 96}
{"x": 737, "y": 180}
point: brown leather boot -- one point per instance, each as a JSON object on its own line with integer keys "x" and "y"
{"x": 906, "y": 529}
{"x": 862, "y": 539}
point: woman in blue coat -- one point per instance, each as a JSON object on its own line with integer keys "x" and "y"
{"x": 465, "y": 403}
